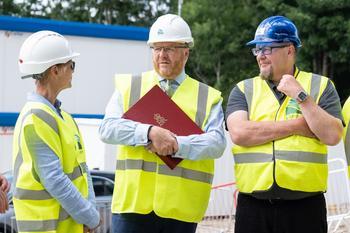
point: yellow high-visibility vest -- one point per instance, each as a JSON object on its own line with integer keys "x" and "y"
{"x": 297, "y": 163}
{"x": 143, "y": 182}
{"x": 36, "y": 210}
{"x": 346, "y": 135}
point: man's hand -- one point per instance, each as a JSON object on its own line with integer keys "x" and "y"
{"x": 4, "y": 184}
{"x": 163, "y": 141}
{"x": 88, "y": 230}
{"x": 289, "y": 86}
{"x": 3, "y": 202}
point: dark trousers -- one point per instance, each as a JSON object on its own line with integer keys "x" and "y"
{"x": 149, "y": 223}
{"x": 308, "y": 215}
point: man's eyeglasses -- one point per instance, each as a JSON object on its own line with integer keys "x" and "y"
{"x": 266, "y": 50}
{"x": 167, "y": 49}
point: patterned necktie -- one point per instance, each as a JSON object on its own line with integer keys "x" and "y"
{"x": 167, "y": 87}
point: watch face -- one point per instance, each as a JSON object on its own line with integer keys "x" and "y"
{"x": 302, "y": 96}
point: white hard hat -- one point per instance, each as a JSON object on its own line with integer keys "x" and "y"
{"x": 170, "y": 28}
{"x": 41, "y": 50}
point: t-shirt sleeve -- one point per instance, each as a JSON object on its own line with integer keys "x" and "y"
{"x": 330, "y": 102}
{"x": 236, "y": 101}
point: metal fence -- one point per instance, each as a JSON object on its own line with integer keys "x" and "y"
{"x": 338, "y": 197}
{"x": 220, "y": 215}
{"x": 104, "y": 207}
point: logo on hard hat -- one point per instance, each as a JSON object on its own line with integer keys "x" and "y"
{"x": 160, "y": 32}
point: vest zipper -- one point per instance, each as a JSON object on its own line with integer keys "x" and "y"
{"x": 273, "y": 147}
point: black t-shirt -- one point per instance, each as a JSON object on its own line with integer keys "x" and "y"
{"x": 329, "y": 101}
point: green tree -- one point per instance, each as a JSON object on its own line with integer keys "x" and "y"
{"x": 8, "y": 7}
{"x": 121, "y": 12}
{"x": 220, "y": 57}
{"x": 325, "y": 31}
{"x": 221, "y": 30}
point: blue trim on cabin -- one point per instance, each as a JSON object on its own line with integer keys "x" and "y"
{"x": 9, "y": 118}
{"x": 22, "y": 24}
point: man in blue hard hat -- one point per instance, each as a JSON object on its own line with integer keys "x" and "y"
{"x": 281, "y": 123}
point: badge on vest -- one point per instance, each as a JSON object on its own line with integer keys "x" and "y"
{"x": 293, "y": 110}
{"x": 78, "y": 145}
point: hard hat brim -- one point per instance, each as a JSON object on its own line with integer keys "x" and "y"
{"x": 27, "y": 69}
{"x": 272, "y": 42}
{"x": 189, "y": 43}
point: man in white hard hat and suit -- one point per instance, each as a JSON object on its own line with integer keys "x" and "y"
{"x": 148, "y": 196}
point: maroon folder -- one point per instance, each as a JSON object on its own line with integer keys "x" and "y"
{"x": 156, "y": 108}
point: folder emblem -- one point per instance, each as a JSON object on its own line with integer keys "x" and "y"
{"x": 159, "y": 119}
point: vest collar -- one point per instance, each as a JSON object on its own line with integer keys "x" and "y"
{"x": 35, "y": 97}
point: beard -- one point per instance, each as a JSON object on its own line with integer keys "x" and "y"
{"x": 266, "y": 74}
{"x": 172, "y": 71}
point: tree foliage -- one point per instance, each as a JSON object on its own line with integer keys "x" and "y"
{"x": 221, "y": 29}
{"x": 122, "y": 12}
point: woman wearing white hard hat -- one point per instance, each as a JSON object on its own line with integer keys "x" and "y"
{"x": 53, "y": 189}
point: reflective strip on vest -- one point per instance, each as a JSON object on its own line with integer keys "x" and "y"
{"x": 63, "y": 214}
{"x": 302, "y": 156}
{"x": 248, "y": 91}
{"x": 77, "y": 172}
{"x": 186, "y": 173}
{"x": 135, "y": 89}
{"x": 203, "y": 91}
{"x": 253, "y": 158}
{"x": 297, "y": 156}
{"x": 41, "y": 225}
{"x": 315, "y": 86}
{"x": 34, "y": 226}
{"x": 19, "y": 157}
{"x": 132, "y": 164}
{"x": 47, "y": 118}
{"x": 18, "y": 162}
{"x": 28, "y": 194}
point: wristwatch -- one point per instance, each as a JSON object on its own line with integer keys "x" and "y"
{"x": 302, "y": 96}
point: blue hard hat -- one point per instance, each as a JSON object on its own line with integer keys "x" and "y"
{"x": 276, "y": 29}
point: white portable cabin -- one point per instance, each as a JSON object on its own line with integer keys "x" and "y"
{"x": 104, "y": 51}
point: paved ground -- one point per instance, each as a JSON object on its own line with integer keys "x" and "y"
{"x": 216, "y": 225}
